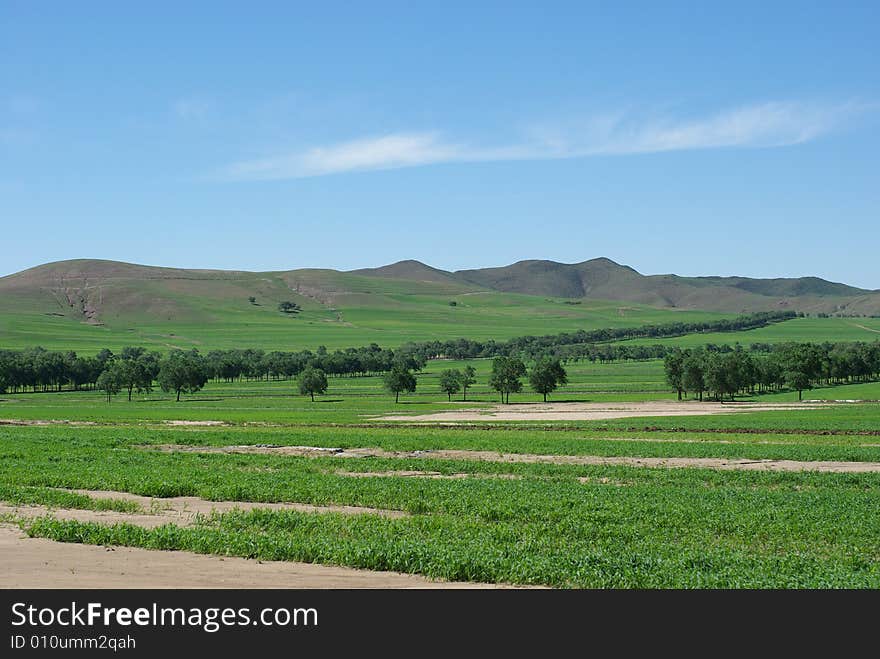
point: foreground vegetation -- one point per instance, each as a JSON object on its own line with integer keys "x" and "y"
{"x": 477, "y": 517}
{"x": 558, "y": 525}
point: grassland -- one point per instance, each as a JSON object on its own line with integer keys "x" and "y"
{"x": 562, "y": 525}
{"x": 89, "y": 305}
{"x": 558, "y": 525}
{"x": 798, "y": 329}
{"x": 468, "y": 517}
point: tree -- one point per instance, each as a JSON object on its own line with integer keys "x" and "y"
{"x": 798, "y": 380}
{"x": 182, "y": 372}
{"x": 137, "y": 373}
{"x": 450, "y": 382}
{"x": 468, "y": 379}
{"x": 547, "y": 375}
{"x": 108, "y": 382}
{"x": 104, "y": 356}
{"x": 252, "y": 299}
{"x": 312, "y": 381}
{"x": 289, "y": 307}
{"x": 399, "y": 379}
{"x": 505, "y": 377}
{"x": 719, "y": 377}
{"x": 692, "y": 374}
{"x": 673, "y": 366}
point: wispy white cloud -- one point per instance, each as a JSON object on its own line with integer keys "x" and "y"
{"x": 756, "y": 126}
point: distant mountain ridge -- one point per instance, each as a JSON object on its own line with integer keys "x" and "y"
{"x": 602, "y": 278}
{"x": 96, "y": 286}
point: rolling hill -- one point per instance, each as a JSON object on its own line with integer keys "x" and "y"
{"x": 89, "y": 303}
{"x": 604, "y": 279}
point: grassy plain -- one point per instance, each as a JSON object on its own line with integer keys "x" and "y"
{"x": 557, "y": 525}
{"x": 562, "y": 525}
{"x": 388, "y": 313}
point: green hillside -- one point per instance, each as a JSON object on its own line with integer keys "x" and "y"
{"x": 87, "y": 305}
{"x": 605, "y": 279}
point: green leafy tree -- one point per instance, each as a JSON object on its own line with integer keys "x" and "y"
{"x": 547, "y": 375}
{"x": 693, "y": 374}
{"x": 312, "y": 381}
{"x": 450, "y": 382}
{"x": 673, "y": 366}
{"x": 398, "y": 380}
{"x": 505, "y": 377}
{"x": 108, "y": 382}
{"x": 137, "y": 373}
{"x": 182, "y": 372}
{"x": 289, "y": 307}
{"x": 798, "y": 380}
{"x": 468, "y": 379}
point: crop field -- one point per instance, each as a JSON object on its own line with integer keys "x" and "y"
{"x": 777, "y": 498}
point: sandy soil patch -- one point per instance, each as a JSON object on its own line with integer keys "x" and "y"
{"x": 181, "y": 422}
{"x": 188, "y": 507}
{"x": 40, "y": 563}
{"x": 492, "y": 456}
{"x": 603, "y": 481}
{"x": 182, "y": 511}
{"x": 108, "y": 517}
{"x": 596, "y": 411}
{"x": 422, "y": 474}
{"x": 45, "y": 422}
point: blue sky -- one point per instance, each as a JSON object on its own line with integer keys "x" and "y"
{"x": 696, "y": 138}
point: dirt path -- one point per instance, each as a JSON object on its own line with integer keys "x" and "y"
{"x": 422, "y": 474}
{"x": 45, "y": 422}
{"x": 596, "y": 411}
{"x": 492, "y": 456}
{"x": 188, "y": 507}
{"x": 182, "y": 511}
{"x": 40, "y": 563}
{"x": 869, "y": 329}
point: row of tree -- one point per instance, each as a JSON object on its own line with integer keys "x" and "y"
{"x": 567, "y": 345}
{"x": 796, "y": 366}
{"x": 42, "y": 370}
{"x": 38, "y": 369}
{"x": 545, "y": 376}
{"x": 256, "y": 364}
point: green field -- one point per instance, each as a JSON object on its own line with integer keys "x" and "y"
{"x": 815, "y": 330}
{"x": 494, "y": 519}
{"x": 560, "y": 525}
{"x": 557, "y": 525}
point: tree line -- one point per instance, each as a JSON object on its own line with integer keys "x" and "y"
{"x": 570, "y": 345}
{"x": 545, "y": 376}
{"x": 720, "y": 371}
{"x": 795, "y": 366}
{"x": 38, "y": 369}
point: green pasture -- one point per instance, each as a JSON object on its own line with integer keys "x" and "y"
{"x": 560, "y": 525}
{"x": 388, "y": 318}
{"x": 556, "y": 525}
{"x": 360, "y": 399}
{"x": 816, "y": 330}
